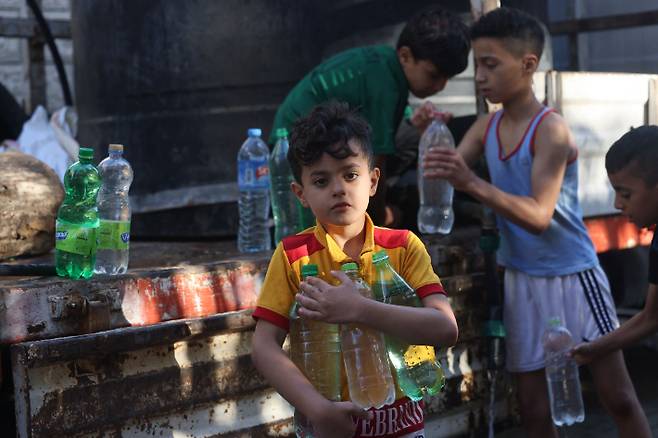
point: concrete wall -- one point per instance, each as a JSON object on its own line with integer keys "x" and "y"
{"x": 14, "y": 56}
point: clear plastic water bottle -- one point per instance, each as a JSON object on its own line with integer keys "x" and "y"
{"x": 315, "y": 349}
{"x": 114, "y": 213}
{"x": 435, "y": 214}
{"x": 562, "y": 376}
{"x": 417, "y": 369}
{"x": 254, "y": 187}
{"x": 285, "y": 207}
{"x": 77, "y": 219}
{"x": 368, "y": 372}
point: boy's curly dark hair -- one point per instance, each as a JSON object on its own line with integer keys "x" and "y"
{"x": 637, "y": 148}
{"x": 328, "y": 128}
{"x": 438, "y": 36}
{"x": 511, "y": 24}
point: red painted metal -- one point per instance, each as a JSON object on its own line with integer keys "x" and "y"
{"x": 616, "y": 232}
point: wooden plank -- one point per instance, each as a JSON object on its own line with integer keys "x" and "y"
{"x": 593, "y": 24}
{"x": 184, "y": 197}
{"x": 15, "y": 27}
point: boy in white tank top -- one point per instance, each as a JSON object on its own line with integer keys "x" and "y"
{"x": 551, "y": 268}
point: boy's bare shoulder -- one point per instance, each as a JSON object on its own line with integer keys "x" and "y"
{"x": 478, "y": 128}
{"x": 554, "y": 133}
{"x": 482, "y": 122}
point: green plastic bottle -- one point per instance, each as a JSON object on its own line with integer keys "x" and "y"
{"x": 306, "y": 217}
{"x": 417, "y": 369}
{"x": 285, "y": 206}
{"x": 77, "y": 219}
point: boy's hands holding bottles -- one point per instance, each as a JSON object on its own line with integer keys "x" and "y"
{"x": 424, "y": 114}
{"x": 584, "y": 353}
{"x": 337, "y": 419}
{"x": 448, "y": 164}
{"x": 333, "y": 304}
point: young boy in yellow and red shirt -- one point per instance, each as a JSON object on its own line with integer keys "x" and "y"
{"x": 332, "y": 161}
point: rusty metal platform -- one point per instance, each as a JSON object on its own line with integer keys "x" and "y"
{"x": 166, "y": 281}
{"x": 164, "y": 349}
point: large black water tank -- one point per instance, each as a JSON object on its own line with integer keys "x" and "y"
{"x": 178, "y": 83}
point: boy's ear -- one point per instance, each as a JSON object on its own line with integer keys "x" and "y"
{"x": 530, "y": 63}
{"x": 298, "y": 190}
{"x": 404, "y": 55}
{"x": 374, "y": 180}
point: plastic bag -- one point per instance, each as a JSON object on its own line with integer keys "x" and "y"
{"x": 51, "y": 142}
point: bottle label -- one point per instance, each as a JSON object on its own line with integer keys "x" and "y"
{"x": 75, "y": 239}
{"x": 114, "y": 235}
{"x": 418, "y": 354}
{"x": 253, "y": 174}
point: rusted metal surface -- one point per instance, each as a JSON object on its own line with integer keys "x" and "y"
{"x": 48, "y": 308}
{"x": 180, "y": 369}
{"x": 177, "y": 377}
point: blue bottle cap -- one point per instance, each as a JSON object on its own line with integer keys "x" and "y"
{"x": 254, "y": 132}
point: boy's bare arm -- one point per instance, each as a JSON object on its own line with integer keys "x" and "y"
{"x": 553, "y": 146}
{"x": 471, "y": 147}
{"x": 638, "y": 327}
{"x": 433, "y": 324}
{"x": 329, "y": 419}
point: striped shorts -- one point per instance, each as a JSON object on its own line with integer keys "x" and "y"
{"x": 582, "y": 301}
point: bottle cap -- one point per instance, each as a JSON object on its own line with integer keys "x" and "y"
{"x": 281, "y": 133}
{"x": 86, "y": 153}
{"x": 254, "y": 132}
{"x": 349, "y": 267}
{"x": 379, "y": 256}
{"x": 554, "y": 322}
{"x": 309, "y": 269}
{"x": 115, "y": 148}
{"x": 408, "y": 112}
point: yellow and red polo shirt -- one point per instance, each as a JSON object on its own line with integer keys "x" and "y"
{"x": 407, "y": 255}
{"x": 406, "y": 252}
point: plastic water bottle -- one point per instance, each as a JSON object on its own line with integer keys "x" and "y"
{"x": 368, "y": 372}
{"x": 315, "y": 349}
{"x": 77, "y": 219}
{"x": 435, "y": 213}
{"x": 562, "y": 376}
{"x": 416, "y": 366}
{"x": 254, "y": 201}
{"x": 306, "y": 217}
{"x": 114, "y": 213}
{"x": 285, "y": 207}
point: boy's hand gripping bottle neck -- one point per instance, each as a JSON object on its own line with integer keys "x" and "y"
{"x": 77, "y": 219}
{"x": 364, "y": 354}
{"x": 315, "y": 349}
{"x": 417, "y": 369}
